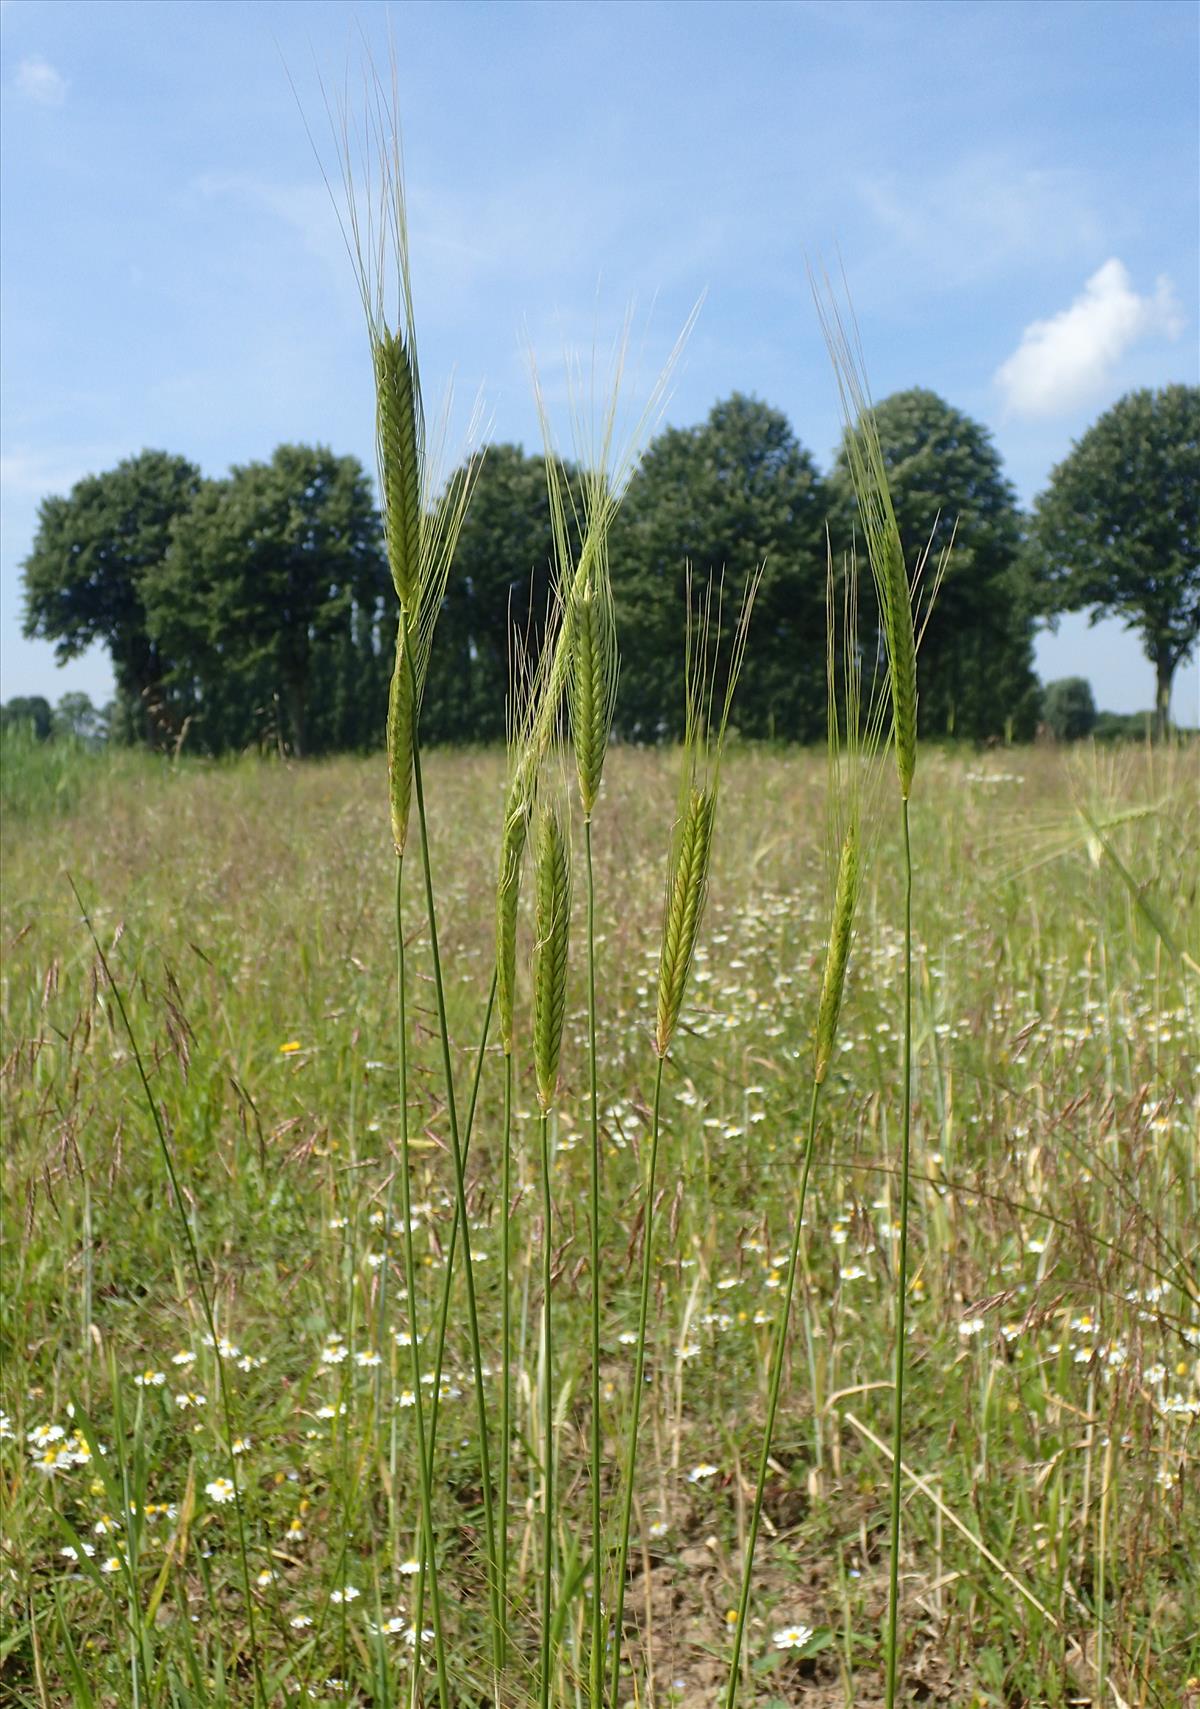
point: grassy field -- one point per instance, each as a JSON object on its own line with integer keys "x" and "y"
{"x": 1051, "y": 1521}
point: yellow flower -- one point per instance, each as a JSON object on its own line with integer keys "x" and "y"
{"x": 290, "y": 1048}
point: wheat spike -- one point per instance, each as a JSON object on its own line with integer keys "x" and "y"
{"x": 703, "y": 748}
{"x": 841, "y": 931}
{"x": 400, "y": 449}
{"x": 422, "y": 512}
{"x": 518, "y": 807}
{"x": 868, "y": 474}
{"x": 584, "y": 665}
{"x": 553, "y": 922}
{"x": 685, "y": 905}
{"x": 591, "y": 679}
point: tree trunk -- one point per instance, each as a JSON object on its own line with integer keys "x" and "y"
{"x": 139, "y": 675}
{"x": 294, "y": 701}
{"x": 1164, "y": 670}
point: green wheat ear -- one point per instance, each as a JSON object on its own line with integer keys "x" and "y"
{"x": 685, "y": 905}
{"x": 584, "y": 664}
{"x": 856, "y": 744}
{"x": 531, "y": 702}
{"x": 868, "y": 473}
{"x": 837, "y": 955}
{"x": 552, "y": 866}
{"x": 399, "y": 431}
{"x": 592, "y": 677}
{"x": 422, "y": 512}
{"x": 705, "y": 729}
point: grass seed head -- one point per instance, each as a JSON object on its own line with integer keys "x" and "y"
{"x": 584, "y": 662}
{"x": 837, "y": 955}
{"x": 685, "y": 906}
{"x": 518, "y": 807}
{"x": 591, "y": 678}
{"x": 400, "y": 451}
{"x": 856, "y": 751}
{"x": 868, "y": 474}
{"x": 422, "y": 513}
{"x": 706, "y": 723}
{"x": 553, "y": 927}
{"x": 532, "y": 704}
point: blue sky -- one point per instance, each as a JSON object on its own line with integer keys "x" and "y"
{"x": 1013, "y": 190}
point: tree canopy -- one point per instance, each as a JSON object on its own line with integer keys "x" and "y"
{"x": 258, "y": 609}
{"x": 734, "y": 493}
{"x": 975, "y": 668}
{"x": 271, "y": 597}
{"x": 85, "y": 575}
{"x": 499, "y": 588}
{"x": 1069, "y": 709}
{"x": 1118, "y": 528}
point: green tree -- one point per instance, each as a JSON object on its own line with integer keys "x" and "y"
{"x": 267, "y": 576}
{"x": 76, "y": 717}
{"x": 1069, "y": 709}
{"x": 1118, "y": 528}
{"x": 976, "y": 662}
{"x": 85, "y": 575}
{"x": 498, "y": 590}
{"x": 726, "y": 496}
{"x": 30, "y": 712}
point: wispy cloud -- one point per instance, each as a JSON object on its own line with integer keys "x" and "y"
{"x": 27, "y": 473}
{"x": 987, "y": 215}
{"x": 1066, "y": 360}
{"x": 466, "y": 242}
{"x": 41, "y": 82}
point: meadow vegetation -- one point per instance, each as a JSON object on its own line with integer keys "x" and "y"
{"x": 1051, "y": 1531}
{"x": 791, "y": 1298}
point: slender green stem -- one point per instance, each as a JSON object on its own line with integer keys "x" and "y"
{"x": 429, "y": 1559}
{"x": 460, "y": 1191}
{"x": 547, "y": 1419}
{"x": 597, "y": 1650}
{"x": 901, "y": 1286}
{"x": 777, "y": 1361}
{"x": 447, "y": 1281}
{"x": 638, "y": 1379}
{"x": 505, "y": 1335}
{"x": 381, "y": 1323}
{"x": 448, "y": 1277}
{"x": 452, "y": 1243}
{"x": 205, "y": 1298}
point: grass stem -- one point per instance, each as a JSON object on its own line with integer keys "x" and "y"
{"x": 460, "y": 1191}
{"x": 597, "y": 1611}
{"x": 547, "y": 1418}
{"x": 892, "y": 1654}
{"x": 505, "y": 1342}
{"x": 777, "y": 1362}
{"x": 452, "y": 1242}
{"x": 638, "y": 1379}
{"x": 429, "y": 1558}
{"x": 205, "y": 1297}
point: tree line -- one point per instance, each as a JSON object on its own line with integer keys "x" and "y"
{"x": 257, "y": 609}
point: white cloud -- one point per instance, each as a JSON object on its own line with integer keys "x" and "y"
{"x": 1064, "y": 361}
{"x": 38, "y": 79}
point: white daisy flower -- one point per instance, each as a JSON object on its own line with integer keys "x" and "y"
{"x": 791, "y": 1637}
